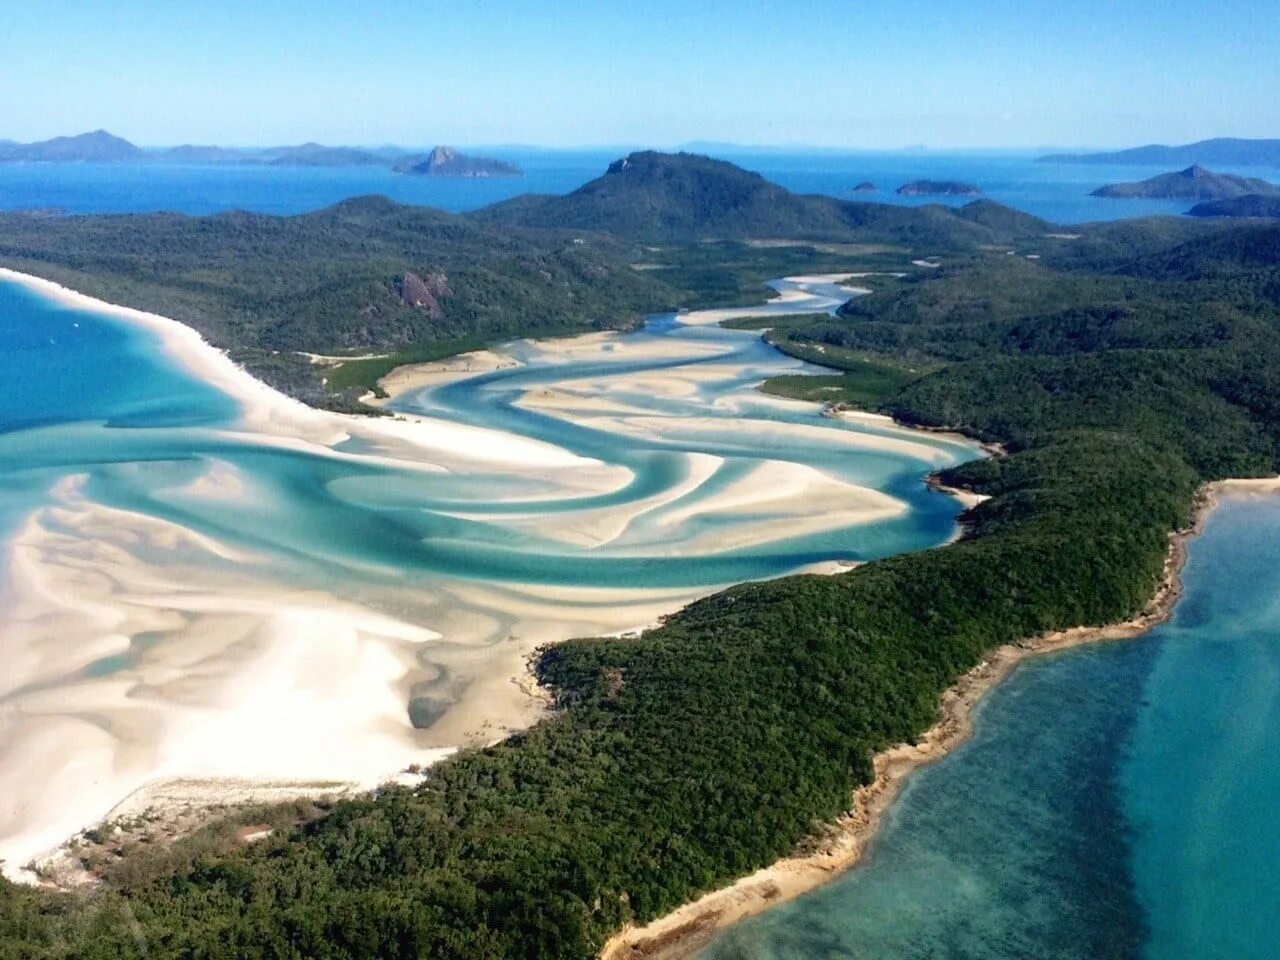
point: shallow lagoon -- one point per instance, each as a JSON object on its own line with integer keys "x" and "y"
{"x": 185, "y": 595}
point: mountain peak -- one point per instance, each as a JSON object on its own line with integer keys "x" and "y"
{"x": 686, "y": 196}
{"x": 448, "y": 162}
{"x": 441, "y": 156}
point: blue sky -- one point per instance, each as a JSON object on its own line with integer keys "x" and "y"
{"x": 847, "y": 74}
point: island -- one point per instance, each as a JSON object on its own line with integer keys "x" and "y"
{"x": 1224, "y": 151}
{"x": 103, "y": 147}
{"x": 318, "y": 155}
{"x": 203, "y": 154}
{"x": 1250, "y": 205}
{"x": 1114, "y": 377}
{"x": 96, "y": 147}
{"x": 1193, "y": 183}
{"x": 866, "y": 186}
{"x": 448, "y": 162}
{"x": 938, "y": 188}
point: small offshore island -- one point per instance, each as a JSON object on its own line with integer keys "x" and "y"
{"x": 1193, "y": 183}
{"x": 447, "y": 162}
{"x": 1114, "y": 372}
{"x": 938, "y": 188}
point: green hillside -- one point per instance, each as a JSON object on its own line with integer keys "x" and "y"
{"x": 332, "y": 281}
{"x": 657, "y": 196}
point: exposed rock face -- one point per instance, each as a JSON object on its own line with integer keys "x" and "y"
{"x": 448, "y": 162}
{"x": 425, "y": 293}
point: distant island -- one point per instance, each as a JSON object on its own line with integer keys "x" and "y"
{"x": 1224, "y": 151}
{"x": 96, "y": 147}
{"x": 938, "y": 188}
{"x": 1252, "y": 205}
{"x": 318, "y": 155}
{"x": 194, "y": 153}
{"x": 103, "y": 147}
{"x": 866, "y": 186}
{"x": 660, "y": 197}
{"x": 1193, "y": 183}
{"x": 448, "y": 162}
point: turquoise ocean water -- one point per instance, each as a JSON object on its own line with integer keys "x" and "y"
{"x": 1116, "y": 801}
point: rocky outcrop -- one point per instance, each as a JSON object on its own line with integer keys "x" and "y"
{"x": 425, "y": 293}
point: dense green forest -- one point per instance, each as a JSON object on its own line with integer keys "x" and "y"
{"x": 1121, "y": 370}
{"x": 332, "y": 282}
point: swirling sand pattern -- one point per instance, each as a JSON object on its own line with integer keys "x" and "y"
{"x": 204, "y": 579}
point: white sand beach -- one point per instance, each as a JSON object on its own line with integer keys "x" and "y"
{"x": 142, "y": 654}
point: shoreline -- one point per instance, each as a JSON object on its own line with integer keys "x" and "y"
{"x": 681, "y": 934}
{"x": 411, "y": 441}
{"x": 271, "y": 418}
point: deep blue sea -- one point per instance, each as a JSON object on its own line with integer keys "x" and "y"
{"x": 1057, "y": 192}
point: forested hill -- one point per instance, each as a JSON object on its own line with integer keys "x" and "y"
{"x": 1194, "y": 183}
{"x": 659, "y": 196}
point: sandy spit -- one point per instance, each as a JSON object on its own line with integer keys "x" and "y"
{"x": 683, "y": 933}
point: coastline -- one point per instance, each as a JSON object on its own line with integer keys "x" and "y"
{"x": 681, "y": 934}
{"x": 379, "y": 649}
{"x": 411, "y": 441}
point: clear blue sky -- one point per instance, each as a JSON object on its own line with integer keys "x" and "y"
{"x": 853, "y": 74}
